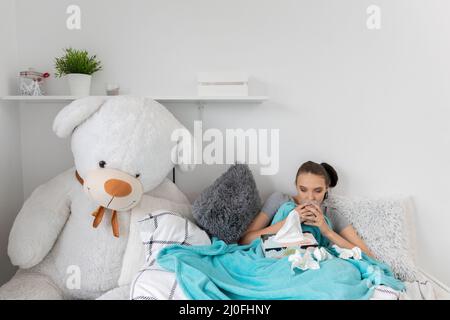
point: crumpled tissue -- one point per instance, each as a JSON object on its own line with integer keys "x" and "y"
{"x": 354, "y": 253}
{"x": 309, "y": 259}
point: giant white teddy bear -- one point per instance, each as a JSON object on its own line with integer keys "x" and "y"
{"x": 71, "y": 235}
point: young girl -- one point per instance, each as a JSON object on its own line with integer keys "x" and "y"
{"x": 312, "y": 181}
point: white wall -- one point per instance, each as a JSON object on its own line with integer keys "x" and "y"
{"x": 11, "y": 193}
{"x": 372, "y": 103}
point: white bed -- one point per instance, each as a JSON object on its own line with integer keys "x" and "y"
{"x": 150, "y": 282}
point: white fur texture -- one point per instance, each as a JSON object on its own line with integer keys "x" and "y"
{"x": 52, "y": 239}
{"x": 74, "y": 114}
{"x": 384, "y": 225}
{"x": 130, "y": 134}
{"x": 39, "y": 222}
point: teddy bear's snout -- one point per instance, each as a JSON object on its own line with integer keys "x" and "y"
{"x": 117, "y": 188}
{"x": 113, "y": 189}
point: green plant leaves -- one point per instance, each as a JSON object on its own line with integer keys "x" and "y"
{"x": 76, "y": 61}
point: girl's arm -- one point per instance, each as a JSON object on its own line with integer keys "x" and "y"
{"x": 349, "y": 233}
{"x": 262, "y": 220}
{"x": 256, "y": 228}
{"x": 348, "y": 239}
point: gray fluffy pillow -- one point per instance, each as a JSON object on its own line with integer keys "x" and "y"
{"x": 386, "y": 226}
{"x": 227, "y": 207}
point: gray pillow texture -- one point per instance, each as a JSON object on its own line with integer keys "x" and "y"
{"x": 386, "y": 226}
{"x": 227, "y": 207}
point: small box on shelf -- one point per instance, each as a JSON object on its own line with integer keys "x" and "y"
{"x": 221, "y": 84}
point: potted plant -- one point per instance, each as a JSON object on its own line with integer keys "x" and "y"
{"x": 78, "y": 67}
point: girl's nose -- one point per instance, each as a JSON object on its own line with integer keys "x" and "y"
{"x": 310, "y": 197}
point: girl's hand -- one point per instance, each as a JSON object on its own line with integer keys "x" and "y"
{"x": 304, "y": 212}
{"x": 317, "y": 218}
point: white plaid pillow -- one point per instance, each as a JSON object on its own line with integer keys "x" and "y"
{"x": 163, "y": 228}
{"x": 158, "y": 230}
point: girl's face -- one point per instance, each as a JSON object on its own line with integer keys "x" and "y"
{"x": 310, "y": 187}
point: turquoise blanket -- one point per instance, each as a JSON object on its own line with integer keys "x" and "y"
{"x": 221, "y": 271}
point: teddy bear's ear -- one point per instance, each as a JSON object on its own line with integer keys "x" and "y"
{"x": 183, "y": 152}
{"x": 74, "y": 114}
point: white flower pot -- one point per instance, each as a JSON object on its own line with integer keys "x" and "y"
{"x": 80, "y": 84}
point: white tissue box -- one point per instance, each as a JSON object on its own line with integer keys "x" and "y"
{"x": 273, "y": 249}
{"x": 222, "y": 84}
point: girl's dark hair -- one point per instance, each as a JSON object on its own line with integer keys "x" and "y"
{"x": 323, "y": 169}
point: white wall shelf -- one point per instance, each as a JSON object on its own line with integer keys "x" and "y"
{"x": 181, "y": 99}
{"x": 201, "y": 102}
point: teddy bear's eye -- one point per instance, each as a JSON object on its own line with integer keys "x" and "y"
{"x": 102, "y": 164}
{"x": 137, "y": 175}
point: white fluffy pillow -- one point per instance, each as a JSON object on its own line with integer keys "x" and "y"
{"x": 158, "y": 230}
{"x": 386, "y": 227}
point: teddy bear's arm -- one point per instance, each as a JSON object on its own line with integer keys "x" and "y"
{"x": 40, "y": 221}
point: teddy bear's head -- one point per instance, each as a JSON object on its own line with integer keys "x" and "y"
{"x": 122, "y": 146}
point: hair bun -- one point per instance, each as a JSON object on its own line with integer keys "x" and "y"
{"x": 332, "y": 174}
